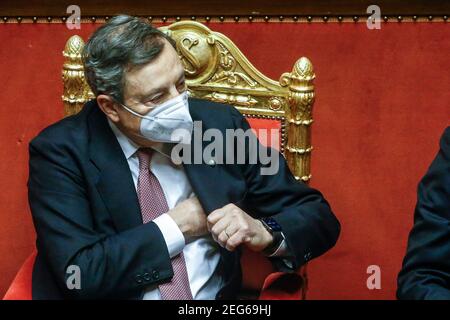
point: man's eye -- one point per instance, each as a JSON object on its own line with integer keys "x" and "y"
{"x": 154, "y": 100}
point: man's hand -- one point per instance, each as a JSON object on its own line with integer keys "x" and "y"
{"x": 190, "y": 218}
{"x": 231, "y": 227}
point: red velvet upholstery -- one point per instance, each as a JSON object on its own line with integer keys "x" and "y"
{"x": 20, "y": 289}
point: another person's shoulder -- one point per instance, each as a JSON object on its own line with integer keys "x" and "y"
{"x": 442, "y": 159}
{"x": 445, "y": 140}
{"x": 437, "y": 177}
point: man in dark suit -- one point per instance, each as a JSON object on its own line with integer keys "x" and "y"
{"x": 426, "y": 267}
{"x": 116, "y": 217}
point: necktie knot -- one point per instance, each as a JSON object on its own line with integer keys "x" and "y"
{"x": 144, "y": 156}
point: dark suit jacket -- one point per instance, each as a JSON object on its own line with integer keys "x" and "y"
{"x": 86, "y": 212}
{"x": 426, "y": 267}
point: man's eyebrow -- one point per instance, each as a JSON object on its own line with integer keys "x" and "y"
{"x": 155, "y": 90}
{"x": 151, "y": 92}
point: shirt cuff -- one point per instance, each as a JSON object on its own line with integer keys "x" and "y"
{"x": 283, "y": 252}
{"x": 172, "y": 234}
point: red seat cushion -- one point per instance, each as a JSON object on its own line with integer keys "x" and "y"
{"x": 20, "y": 288}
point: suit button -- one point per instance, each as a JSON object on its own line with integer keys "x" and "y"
{"x": 147, "y": 277}
{"x": 138, "y": 279}
{"x": 155, "y": 274}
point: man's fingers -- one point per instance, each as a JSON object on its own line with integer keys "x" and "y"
{"x": 224, "y": 223}
{"x": 220, "y": 225}
{"x": 222, "y": 238}
{"x": 216, "y": 215}
{"x": 232, "y": 228}
{"x": 234, "y": 241}
{"x": 233, "y": 236}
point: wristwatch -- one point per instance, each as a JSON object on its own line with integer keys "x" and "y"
{"x": 275, "y": 230}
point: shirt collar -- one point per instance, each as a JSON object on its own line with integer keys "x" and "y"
{"x": 129, "y": 147}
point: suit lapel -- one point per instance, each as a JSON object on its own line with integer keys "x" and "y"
{"x": 115, "y": 183}
{"x": 204, "y": 181}
{"x": 209, "y": 183}
{"x": 207, "y": 180}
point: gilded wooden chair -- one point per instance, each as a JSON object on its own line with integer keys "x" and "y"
{"x": 217, "y": 70}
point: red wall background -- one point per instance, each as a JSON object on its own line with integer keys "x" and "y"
{"x": 382, "y": 104}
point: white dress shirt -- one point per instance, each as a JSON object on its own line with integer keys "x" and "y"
{"x": 201, "y": 255}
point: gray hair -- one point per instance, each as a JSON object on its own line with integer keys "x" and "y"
{"x": 121, "y": 44}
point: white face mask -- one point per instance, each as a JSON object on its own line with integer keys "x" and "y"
{"x": 161, "y": 122}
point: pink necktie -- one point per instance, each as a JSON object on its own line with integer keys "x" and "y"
{"x": 153, "y": 203}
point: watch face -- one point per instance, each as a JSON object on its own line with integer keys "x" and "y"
{"x": 272, "y": 224}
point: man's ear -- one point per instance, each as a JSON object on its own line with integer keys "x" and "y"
{"x": 108, "y": 106}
